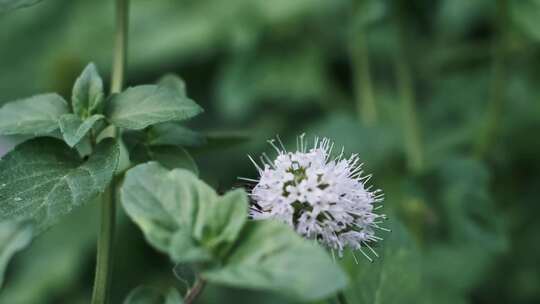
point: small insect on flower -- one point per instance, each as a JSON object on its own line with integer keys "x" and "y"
{"x": 323, "y": 197}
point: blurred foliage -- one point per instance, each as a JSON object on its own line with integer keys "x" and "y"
{"x": 261, "y": 68}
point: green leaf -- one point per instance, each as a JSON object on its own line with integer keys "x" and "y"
{"x": 124, "y": 161}
{"x": 174, "y": 83}
{"x": 7, "y": 5}
{"x": 220, "y": 140}
{"x": 270, "y": 256}
{"x": 162, "y": 202}
{"x": 223, "y": 221}
{"x": 182, "y": 216}
{"x": 172, "y": 157}
{"x": 36, "y": 115}
{"x": 171, "y": 133}
{"x": 62, "y": 263}
{"x": 74, "y": 128}
{"x": 142, "y": 106}
{"x": 184, "y": 249}
{"x": 394, "y": 278}
{"x": 142, "y": 199}
{"x": 43, "y": 179}
{"x": 14, "y": 236}
{"x": 147, "y": 295}
{"x": 87, "y": 96}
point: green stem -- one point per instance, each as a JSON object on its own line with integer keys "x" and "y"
{"x": 102, "y": 281}
{"x": 363, "y": 85}
{"x": 412, "y": 136}
{"x": 489, "y": 129}
{"x": 195, "y": 291}
{"x": 120, "y": 46}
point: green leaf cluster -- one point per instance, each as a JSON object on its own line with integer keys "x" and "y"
{"x": 186, "y": 219}
{"x": 169, "y": 142}
{"x": 89, "y": 111}
{"x": 44, "y": 178}
{"x": 260, "y": 64}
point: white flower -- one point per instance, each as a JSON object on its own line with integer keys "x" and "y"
{"x": 322, "y": 197}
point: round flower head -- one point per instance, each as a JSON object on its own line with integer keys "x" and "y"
{"x": 322, "y": 197}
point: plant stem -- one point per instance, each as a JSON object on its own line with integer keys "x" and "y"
{"x": 488, "y": 130}
{"x": 412, "y": 136}
{"x": 102, "y": 281}
{"x": 195, "y": 291}
{"x": 363, "y": 85}
{"x": 120, "y": 46}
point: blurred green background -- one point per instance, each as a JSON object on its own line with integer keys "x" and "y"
{"x": 439, "y": 97}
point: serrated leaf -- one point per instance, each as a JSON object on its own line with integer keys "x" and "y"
{"x": 7, "y": 5}
{"x": 35, "y": 115}
{"x": 74, "y": 128}
{"x": 164, "y": 202}
{"x": 270, "y": 256}
{"x": 14, "y": 236}
{"x": 87, "y": 96}
{"x": 124, "y": 161}
{"x": 147, "y": 295}
{"x": 43, "y": 179}
{"x": 141, "y": 106}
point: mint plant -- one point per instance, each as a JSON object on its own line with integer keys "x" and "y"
{"x": 438, "y": 98}
{"x": 128, "y": 143}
